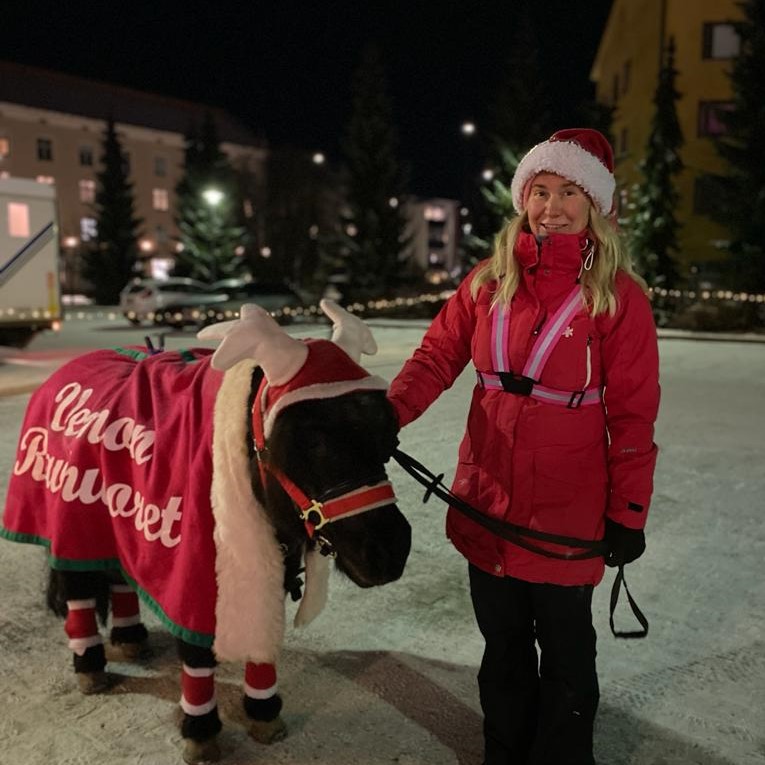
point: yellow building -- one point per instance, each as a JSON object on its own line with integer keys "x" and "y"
{"x": 626, "y": 72}
{"x": 51, "y": 129}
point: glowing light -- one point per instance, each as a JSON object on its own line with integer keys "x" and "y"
{"x": 212, "y": 196}
{"x": 468, "y": 128}
{"x": 487, "y": 174}
{"x": 71, "y": 241}
{"x": 265, "y": 252}
{"x": 146, "y": 245}
{"x": 318, "y": 158}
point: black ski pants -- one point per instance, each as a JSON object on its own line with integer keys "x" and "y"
{"x": 536, "y": 712}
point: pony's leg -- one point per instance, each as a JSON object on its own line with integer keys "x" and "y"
{"x": 81, "y": 626}
{"x": 201, "y": 724}
{"x": 128, "y": 636}
{"x": 262, "y": 703}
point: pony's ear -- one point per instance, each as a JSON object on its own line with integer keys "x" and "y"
{"x": 255, "y": 335}
{"x": 348, "y": 331}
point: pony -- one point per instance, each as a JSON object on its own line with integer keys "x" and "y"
{"x": 206, "y": 483}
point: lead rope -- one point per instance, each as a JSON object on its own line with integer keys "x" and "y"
{"x": 518, "y": 535}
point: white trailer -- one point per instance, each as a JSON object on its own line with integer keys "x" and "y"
{"x": 30, "y": 294}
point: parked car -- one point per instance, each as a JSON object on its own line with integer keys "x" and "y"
{"x": 223, "y": 299}
{"x": 142, "y": 299}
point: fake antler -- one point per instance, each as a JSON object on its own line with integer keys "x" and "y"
{"x": 348, "y": 331}
{"x": 255, "y": 335}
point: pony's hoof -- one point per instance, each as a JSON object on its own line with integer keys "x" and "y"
{"x": 200, "y": 752}
{"x": 129, "y": 651}
{"x": 93, "y": 682}
{"x": 268, "y": 731}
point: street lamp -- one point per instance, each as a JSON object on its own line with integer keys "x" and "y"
{"x": 212, "y": 196}
{"x": 318, "y": 158}
{"x": 468, "y": 128}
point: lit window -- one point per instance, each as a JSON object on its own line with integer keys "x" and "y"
{"x": 87, "y": 190}
{"x": 720, "y": 41}
{"x": 18, "y": 219}
{"x": 710, "y": 120}
{"x": 5, "y": 148}
{"x": 86, "y": 156}
{"x": 44, "y": 149}
{"x": 88, "y": 229}
{"x": 159, "y": 199}
{"x": 160, "y": 167}
{"x": 47, "y": 179}
{"x": 434, "y": 212}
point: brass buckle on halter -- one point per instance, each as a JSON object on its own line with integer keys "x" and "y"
{"x": 315, "y": 507}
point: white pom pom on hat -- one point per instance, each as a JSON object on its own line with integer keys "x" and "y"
{"x": 581, "y": 155}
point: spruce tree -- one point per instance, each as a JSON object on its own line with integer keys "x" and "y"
{"x": 652, "y": 225}
{"x": 207, "y": 210}
{"x": 742, "y": 191}
{"x": 372, "y": 235}
{"x": 109, "y": 262}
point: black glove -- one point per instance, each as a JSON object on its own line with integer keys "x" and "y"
{"x": 622, "y": 545}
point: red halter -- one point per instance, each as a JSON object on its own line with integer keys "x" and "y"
{"x": 313, "y": 513}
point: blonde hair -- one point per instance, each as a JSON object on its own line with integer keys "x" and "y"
{"x": 598, "y": 282}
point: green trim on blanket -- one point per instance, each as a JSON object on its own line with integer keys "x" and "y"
{"x": 186, "y": 355}
{"x": 133, "y": 353}
{"x": 202, "y": 639}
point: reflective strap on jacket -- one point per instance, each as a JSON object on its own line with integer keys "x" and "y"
{"x": 526, "y": 383}
{"x": 570, "y": 399}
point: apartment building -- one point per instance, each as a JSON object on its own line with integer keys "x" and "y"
{"x": 626, "y": 71}
{"x": 51, "y": 128}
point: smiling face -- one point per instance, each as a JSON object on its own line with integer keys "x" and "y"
{"x": 557, "y": 206}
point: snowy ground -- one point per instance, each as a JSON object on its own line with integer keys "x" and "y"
{"x": 388, "y": 676}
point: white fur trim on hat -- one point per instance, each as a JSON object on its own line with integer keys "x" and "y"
{"x": 568, "y": 160}
{"x": 316, "y": 588}
{"x": 317, "y": 391}
{"x": 249, "y": 565}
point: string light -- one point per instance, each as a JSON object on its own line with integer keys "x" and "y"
{"x": 381, "y": 304}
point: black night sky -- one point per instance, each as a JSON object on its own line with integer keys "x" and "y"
{"x": 284, "y": 67}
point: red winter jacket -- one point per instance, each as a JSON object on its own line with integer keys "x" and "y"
{"x": 540, "y": 465}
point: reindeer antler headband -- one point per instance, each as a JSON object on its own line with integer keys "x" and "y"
{"x": 332, "y": 367}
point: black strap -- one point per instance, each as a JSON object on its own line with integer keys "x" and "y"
{"x": 519, "y": 535}
{"x": 511, "y": 532}
{"x": 619, "y": 580}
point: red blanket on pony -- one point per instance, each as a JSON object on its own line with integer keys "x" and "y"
{"x": 115, "y": 470}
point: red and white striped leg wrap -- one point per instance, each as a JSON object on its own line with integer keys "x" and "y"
{"x": 259, "y": 680}
{"x": 125, "y": 609}
{"x": 198, "y": 690}
{"x": 81, "y": 625}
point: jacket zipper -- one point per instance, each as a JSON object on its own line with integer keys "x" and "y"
{"x": 589, "y": 363}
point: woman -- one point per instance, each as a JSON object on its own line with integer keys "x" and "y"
{"x": 559, "y": 440}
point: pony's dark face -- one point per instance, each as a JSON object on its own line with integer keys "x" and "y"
{"x": 339, "y": 444}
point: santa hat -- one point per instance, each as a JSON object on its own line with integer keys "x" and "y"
{"x": 581, "y": 155}
{"x": 327, "y": 372}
